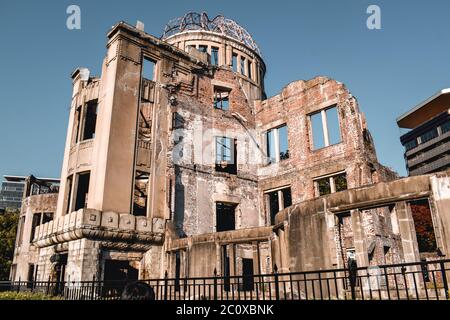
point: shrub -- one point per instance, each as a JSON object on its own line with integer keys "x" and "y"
{"x": 12, "y": 295}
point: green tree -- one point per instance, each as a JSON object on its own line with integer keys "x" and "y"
{"x": 8, "y": 227}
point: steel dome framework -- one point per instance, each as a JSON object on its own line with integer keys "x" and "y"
{"x": 220, "y": 24}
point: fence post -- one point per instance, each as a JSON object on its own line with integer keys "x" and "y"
{"x": 277, "y": 285}
{"x": 165, "y": 285}
{"x": 444, "y": 279}
{"x": 18, "y": 287}
{"x": 93, "y": 287}
{"x": 215, "y": 284}
{"x": 352, "y": 274}
{"x": 48, "y": 285}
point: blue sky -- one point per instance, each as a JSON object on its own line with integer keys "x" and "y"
{"x": 388, "y": 70}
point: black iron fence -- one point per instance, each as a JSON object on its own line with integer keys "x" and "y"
{"x": 425, "y": 280}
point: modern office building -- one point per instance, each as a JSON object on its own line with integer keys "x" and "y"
{"x": 11, "y": 193}
{"x": 427, "y": 143}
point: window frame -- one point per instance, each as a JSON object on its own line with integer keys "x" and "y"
{"x": 331, "y": 178}
{"x": 325, "y": 128}
{"x": 231, "y": 165}
{"x": 221, "y": 90}
{"x": 281, "y": 201}
{"x": 276, "y": 139}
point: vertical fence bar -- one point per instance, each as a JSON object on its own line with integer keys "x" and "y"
{"x": 277, "y": 285}
{"x": 93, "y": 287}
{"x": 215, "y": 284}
{"x": 166, "y": 275}
{"x": 444, "y": 279}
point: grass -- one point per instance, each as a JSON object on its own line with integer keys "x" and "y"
{"x": 12, "y": 295}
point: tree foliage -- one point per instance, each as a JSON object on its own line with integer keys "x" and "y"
{"x": 8, "y": 228}
{"x": 423, "y": 224}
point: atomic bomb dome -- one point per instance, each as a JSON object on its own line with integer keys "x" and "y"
{"x": 194, "y": 21}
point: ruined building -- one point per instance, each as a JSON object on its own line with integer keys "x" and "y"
{"x": 175, "y": 160}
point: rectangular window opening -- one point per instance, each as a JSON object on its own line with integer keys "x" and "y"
{"x": 423, "y": 224}
{"x": 278, "y": 200}
{"x": 221, "y": 98}
{"x": 77, "y": 124}
{"x": 277, "y": 145}
{"x": 249, "y": 69}
{"x": 243, "y": 66}
{"x": 234, "y": 62}
{"x": 215, "y": 56}
{"x": 90, "y": 120}
{"x": 203, "y": 48}
{"x": 35, "y": 222}
{"x": 82, "y": 191}
{"x": 331, "y": 184}
{"x": 325, "y": 128}
{"x": 67, "y": 201}
{"x": 225, "y": 216}
{"x": 226, "y": 155}
{"x": 140, "y": 194}
{"x": 148, "y": 69}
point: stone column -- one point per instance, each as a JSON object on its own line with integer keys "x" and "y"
{"x": 407, "y": 232}
{"x": 359, "y": 239}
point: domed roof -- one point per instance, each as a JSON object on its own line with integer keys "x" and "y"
{"x": 220, "y": 24}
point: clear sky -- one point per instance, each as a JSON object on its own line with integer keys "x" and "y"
{"x": 388, "y": 70}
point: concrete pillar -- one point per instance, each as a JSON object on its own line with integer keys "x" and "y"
{"x": 407, "y": 232}
{"x": 359, "y": 239}
{"x": 440, "y": 210}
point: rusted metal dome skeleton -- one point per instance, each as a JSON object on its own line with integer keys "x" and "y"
{"x": 220, "y": 24}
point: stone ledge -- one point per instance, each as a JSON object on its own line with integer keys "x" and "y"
{"x": 96, "y": 225}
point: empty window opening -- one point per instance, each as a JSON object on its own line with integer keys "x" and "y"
{"x": 423, "y": 224}
{"x": 325, "y": 128}
{"x": 247, "y": 274}
{"x": 221, "y": 98}
{"x": 68, "y": 194}
{"x": 225, "y": 216}
{"x": 277, "y": 145}
{"x": 215, "y": 56}
{"x": 140, "y": 193}
{"x": 242, "y": 70}
{"x": 148, "y": 69}
{"x": 119, "y": 270}
{"x": 278, "y": 200}
{"x": 77, "y": 124}
{"x": 234, "y": 62}
{"x": 21, "y": 227}
{"x": 249, "y": 69}
{"x": 226, "y": 155}
{"x": 82, "y": 191}
{"x": 203, "y": 48}
{"x": 30, "y": 276}
{"x": 35, "y": 222}
{"x": 177, "y": 121}
{"x": 90, "y": 120}
{"x": 60, "y": 260}
{"x": 331, "y": 184}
